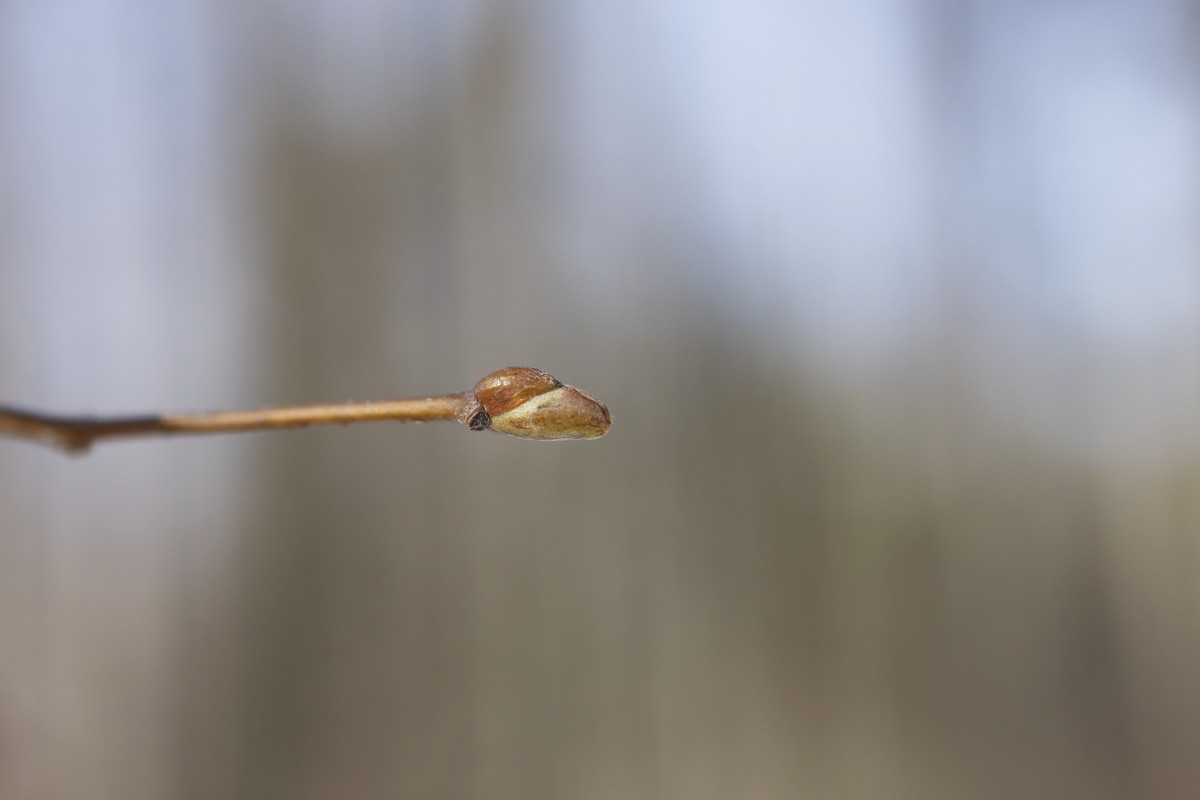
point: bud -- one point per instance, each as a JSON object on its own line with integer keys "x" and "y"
{"x": 532, "y": 404}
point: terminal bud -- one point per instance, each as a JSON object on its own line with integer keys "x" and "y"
{"x": 532, "y": 404}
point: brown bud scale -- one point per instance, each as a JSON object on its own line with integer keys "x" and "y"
{"x": 507, "y": 388}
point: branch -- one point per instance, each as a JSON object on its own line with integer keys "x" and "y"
{"x": 519, "y": 401}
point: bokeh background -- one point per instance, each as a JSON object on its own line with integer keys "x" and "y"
{"x": 896, "y": 304}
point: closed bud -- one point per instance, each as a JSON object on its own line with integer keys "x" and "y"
{"x": 532, "y": 404}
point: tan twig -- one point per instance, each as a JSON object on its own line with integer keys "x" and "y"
{"x": 519, "y": 401}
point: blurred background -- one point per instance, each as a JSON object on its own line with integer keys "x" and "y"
{"x": 896, "y": 304}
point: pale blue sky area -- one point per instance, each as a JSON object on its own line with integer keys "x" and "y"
{"x": 832, "y": 167}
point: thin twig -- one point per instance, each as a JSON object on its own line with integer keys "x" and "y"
{"x": 519, "y": 401}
